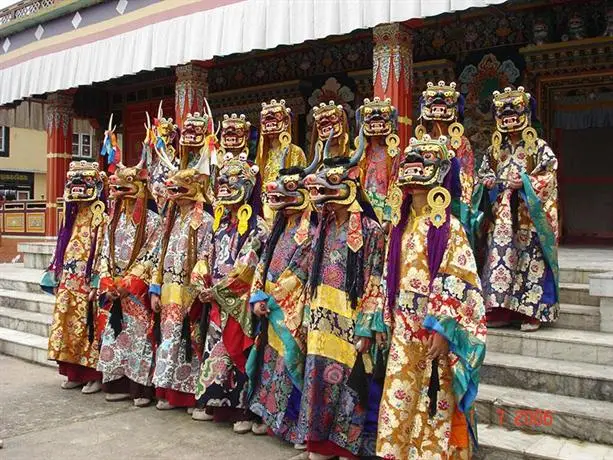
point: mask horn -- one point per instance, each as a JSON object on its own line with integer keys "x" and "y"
{"x": 160, "y": 112}
{"x": 284, "y": 158}
{"x": 316, "y": 158}
{"x": 209, "y": 113}
{"x": 111, "y": 128}
{"x": 164, "y": 159}
{"x": 357, "y": 156}
{"x": 327, "y": 146}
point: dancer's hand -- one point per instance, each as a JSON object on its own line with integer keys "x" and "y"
{"x": 489, "y": 182}
{"x": 515, "y": 182}
{"x": 261, "y": 309}
{"x": 381, "y": 339}
{"x": 437, "y": 346}
{"x": 155, "y": 303}
{"x": 206, "y": 296}
{"x": 362, "y": 344}
{"x": 123, "y": 292}
{"x": 93, "y": 294}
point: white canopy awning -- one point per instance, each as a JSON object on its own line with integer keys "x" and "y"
{"x": 99, "y": 52}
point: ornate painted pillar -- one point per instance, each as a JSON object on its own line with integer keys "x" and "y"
{"x": 190, "y": 90}
{"x": 393, "y": 72}
{"x": 59, "y": 153}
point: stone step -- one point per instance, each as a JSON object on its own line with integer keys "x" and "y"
{"x": 577, "y": 379}
{"x": 25, "y": 321}
{"x": 37, "y": 254}
{"x": 496, "y": 443}
{"x": 577, "y": 275}
{"x": 18, "y": 278}
{"x": 577, "y": 294}
{"x": 27, "y": 301}
{"x": 582, "y": 317}
{"x": 557, "y": 415}
{"x": 553, "y": 343}
{"x": 25, "y": 346}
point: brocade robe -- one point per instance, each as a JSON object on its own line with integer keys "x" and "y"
{"x": 277, "y": 383}
{"x": 521, "y": 263}
{"x": 377, "y": 172}
{"x": 173, "y": 369}
{"x": 69, "y": 337}
{"x": 331, "y": 411}
{"x": 130, "y": 354}
{"x": 222, "y": 378}
{"x": 453, "y": 306}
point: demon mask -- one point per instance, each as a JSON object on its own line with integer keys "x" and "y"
{"x": 234, "y": 133}
{"x": 84, "y": 182}
{"x": 337, "y": 180}
{"x": 440, "y": 102}
{"x": 425, "y": 163}
{"x": 274, "y": 118}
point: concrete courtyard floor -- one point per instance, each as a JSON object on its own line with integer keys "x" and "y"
{"x": 39, "y": 420}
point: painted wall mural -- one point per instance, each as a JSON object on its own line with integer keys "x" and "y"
{"x": 477, "y": 83}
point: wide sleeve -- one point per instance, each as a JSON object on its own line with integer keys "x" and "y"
{"x": 542, "y": 182}
{"x": 370, "y": 314}
{"x": 139, "y": 275}
{"x": 107, "y": 283}
{"x": 201, "y": 273}
{"x": 232, "y": 291}
{"x": 456, "y": 311}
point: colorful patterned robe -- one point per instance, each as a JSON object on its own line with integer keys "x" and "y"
{"x": 276, "y": 385}
{"x": 222, "y": 380}
{"x": 462, "y": 207}
{"x": 131, "y": 353}
{"x": 453, "y": 306}
{"x": 521, "y": 264}
{"x": 377, "y": 167}
{"x": 69, "y": 337}
{"x": 172, "y": 368}
{"x": 330, "y": 409}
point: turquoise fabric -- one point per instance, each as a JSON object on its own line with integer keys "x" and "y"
{"x": 470, "y": 352}
{"x": 48, "y": 283}
{"x": 293, "y": 355}
{"x": 545, "y": 233}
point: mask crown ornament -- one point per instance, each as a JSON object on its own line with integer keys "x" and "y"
{"x": 329, "y": 118}
{"x": 440, "y": 102}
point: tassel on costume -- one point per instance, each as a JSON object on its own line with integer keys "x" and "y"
{"x": 187, "y": 336}
{"x": 116, "y": 318}
{"x": 433, "y": 389}
{"x": 357, "y": 380}
{"x": 157, "y": 329}
{"x": 380, "y": 365}
{"x": 90, "y": 321}
{"x": 204, "y": 324}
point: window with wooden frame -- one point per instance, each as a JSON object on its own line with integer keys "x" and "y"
{"x": 4, "y": 141}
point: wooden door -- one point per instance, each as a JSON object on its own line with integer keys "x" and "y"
{"x": 134, "y": 129}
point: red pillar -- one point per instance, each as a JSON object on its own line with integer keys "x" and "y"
{"x": 393, "y": 72}
{"x": 190, "y": 90}
{"x": 59, "y": 153}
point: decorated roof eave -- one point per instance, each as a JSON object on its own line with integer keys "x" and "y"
{"x": 45, "y": 15}
{"x": 124, "y": 43}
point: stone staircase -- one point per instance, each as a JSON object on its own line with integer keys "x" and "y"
{"x": 564, "y": 372}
